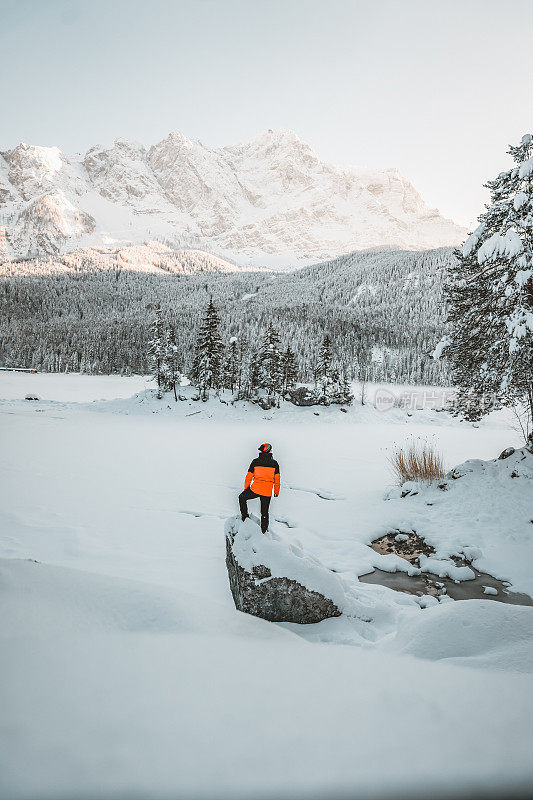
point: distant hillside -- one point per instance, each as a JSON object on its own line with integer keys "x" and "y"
{"x": 92, "y": 310}
{"x": 150, "y": 257}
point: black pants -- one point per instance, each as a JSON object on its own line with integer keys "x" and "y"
{"x": 265, "y": 502}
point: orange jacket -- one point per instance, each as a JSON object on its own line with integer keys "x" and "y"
{"x": 263, "y": 476}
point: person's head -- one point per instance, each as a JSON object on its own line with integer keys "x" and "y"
{"x": 265, "y": 449}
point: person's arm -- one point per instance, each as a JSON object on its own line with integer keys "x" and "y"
{"x": 277, "y": 480}
{"x": 249, "y": 476}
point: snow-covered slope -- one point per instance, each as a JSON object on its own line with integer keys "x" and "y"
{"x": 149, "y": 257}
{"x": 267, "y": 201}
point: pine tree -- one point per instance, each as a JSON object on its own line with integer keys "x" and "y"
{"x": 252, "y": 375}
{"x": 156, "y": 350}
{"x": 345, "y": 389}
{"x": 231, "y": 369}
{"x": 489, "y": 295}
{"x": 172, "y": 374}
{"x": 243, "y": 388}
{"x": 324, "y": 359}
{"x": 323, "y": 374}
{"x": 269, "y": 363}
{"x": 207, "y": 365}
{"x": 289, "y": 370}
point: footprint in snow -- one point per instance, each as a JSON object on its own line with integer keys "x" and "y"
{"x": 201, "y": 514}
{"x": 324, "y": 494}
{"x": 287, "y": 521}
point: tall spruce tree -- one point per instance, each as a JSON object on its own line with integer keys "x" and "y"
{"x": 325, "y": 357}
{"x": 156, "y": 351}
{"x": 489, "y": 295}
{"x": 252, "y": 375}
{"x": 269, "y": 363}
{"x": 207, "y": 365}
{"x": 172, "y": 374}
{"x": 243, "y": 388}
{"x": 325, "y": 388}
{"x": 345, "y": 394}
{"x": 289, "y": 370}
{"x": 231, "y": 369}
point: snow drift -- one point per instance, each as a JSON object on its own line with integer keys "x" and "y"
{"x": 474, "y": 633}
{"x": 112, "y": 688}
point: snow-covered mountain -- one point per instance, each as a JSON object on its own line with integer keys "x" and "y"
{"x": 267, "y": 201}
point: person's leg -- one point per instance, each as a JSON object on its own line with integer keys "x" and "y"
{"x": 265, "y": 503}
{"x": 243, "y": 502}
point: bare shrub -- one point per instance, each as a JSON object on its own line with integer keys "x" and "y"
{"x": 417, "y": 460}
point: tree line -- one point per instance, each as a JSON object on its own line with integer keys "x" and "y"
{"x": 266, "y": 373}
{"x": 382, "y": 310}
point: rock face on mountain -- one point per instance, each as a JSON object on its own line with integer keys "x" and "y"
{"x": 269, "y": 579}
{"x": 267, "y": 201}
{"x": 122, "y": 175}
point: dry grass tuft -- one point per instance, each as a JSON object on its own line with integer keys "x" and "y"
{"x": 417, "y": 461}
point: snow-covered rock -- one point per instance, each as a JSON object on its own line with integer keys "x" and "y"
{"x": 267, "y": 201}
{"x": 277, "y": 581}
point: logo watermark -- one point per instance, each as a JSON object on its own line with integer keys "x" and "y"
{"x": 431, "y": 399}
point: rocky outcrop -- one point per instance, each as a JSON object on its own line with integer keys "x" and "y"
{"x": 260, "y": 590}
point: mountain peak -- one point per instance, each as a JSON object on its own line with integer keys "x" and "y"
{"x": 269, "y": 139}
{"x": 268, "y": 200}
{"x": 178, "y": 139}
{"x": 277, "y": 135}
{"x": 129, "y": 145}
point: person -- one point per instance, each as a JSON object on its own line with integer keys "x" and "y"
{"x": 262, "y": 477}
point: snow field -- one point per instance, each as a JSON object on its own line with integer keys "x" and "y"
{"x": 150, "y": 705}
{"x": 126, "y": 670}
{"x": 69, "y": 387}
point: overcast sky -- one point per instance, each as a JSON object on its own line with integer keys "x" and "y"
{"x": 436, "y": 89}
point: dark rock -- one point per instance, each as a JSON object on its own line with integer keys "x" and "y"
{"x": 274, "y": 599}
{"x": 265, "y": 403}
{"x": 410, "y": 546}
{"x": 506, "y": 453}
{"x": 302, "y": 396}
